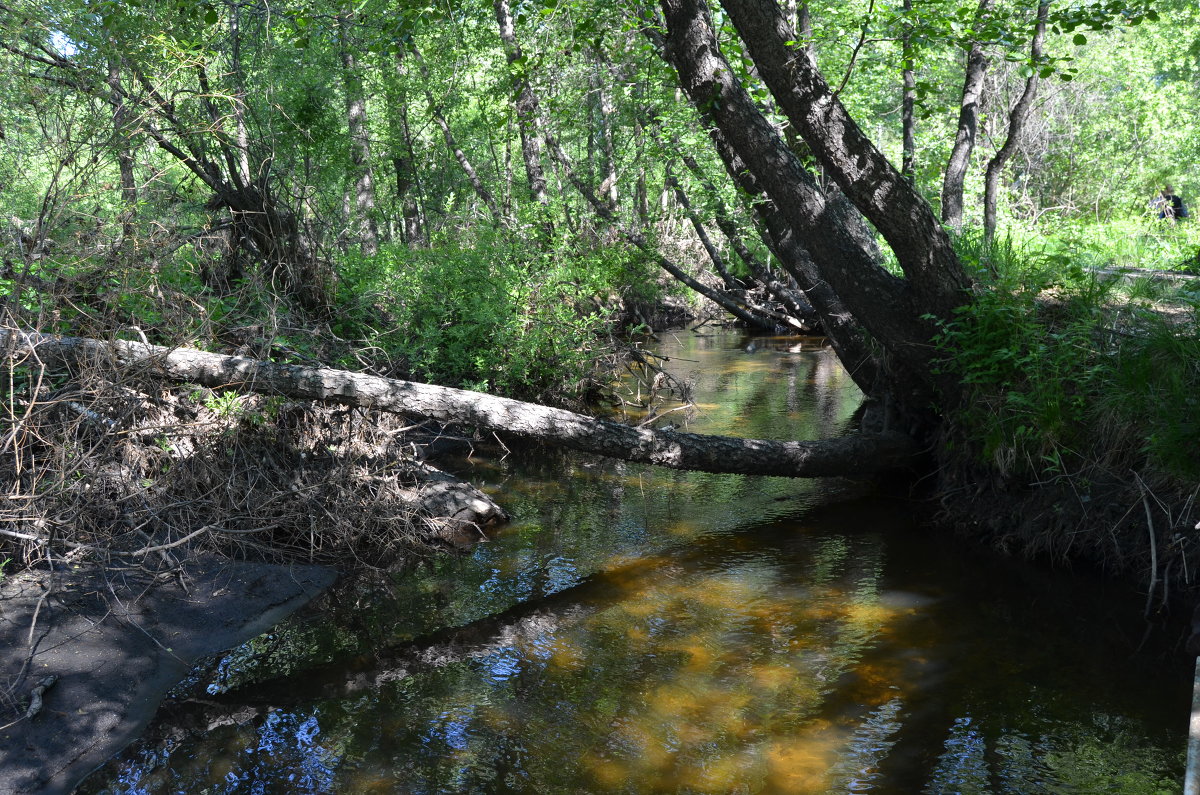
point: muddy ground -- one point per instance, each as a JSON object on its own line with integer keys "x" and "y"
{"x": 116, "y": 641}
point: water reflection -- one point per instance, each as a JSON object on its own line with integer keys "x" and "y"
{"x": 701, "y": 634}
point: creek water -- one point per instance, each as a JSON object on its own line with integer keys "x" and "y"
{"x": 643, "y": 631}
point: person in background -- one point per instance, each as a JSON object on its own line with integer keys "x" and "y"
{"x": 1170, "y": 205}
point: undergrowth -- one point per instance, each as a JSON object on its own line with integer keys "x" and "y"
{"x": 494, "y": 315}
{"x": 1064, "y": 368}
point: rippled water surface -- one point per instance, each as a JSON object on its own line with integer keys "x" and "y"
{"x": 638, "y": 630}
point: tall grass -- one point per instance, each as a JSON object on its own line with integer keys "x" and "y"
{"x": 1066, "y": 368}
{"x": 493, "y": 315}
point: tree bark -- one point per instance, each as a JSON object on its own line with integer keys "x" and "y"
{"x": 790, "y": 297}
{"x": 797, "y": 315}
{"x": 908, "y": 100}
{"x": 816, "y": 233}
{"x": 968, "y": 125}
{"x": 714, "y": 255}
{"x": 860, "y": 455}
{"x": 403, "y": 158}
{"x": 1016, "y": 126}
{"x": 360, "y": 143}
{"x": 936, "y": 279}
{"x": 239, "y": 93}
{"x": 524, "y": 102}
{"x": 606, "y": 111}
{"x": 123, "y": 141}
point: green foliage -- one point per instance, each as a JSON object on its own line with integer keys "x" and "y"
{"x": 489, "y": 316}
{"x": 1062, "y": 366}
{"x": 1143, "y": 241}
{"x": 226, "y": 405}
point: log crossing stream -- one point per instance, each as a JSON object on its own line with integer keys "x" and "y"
{"x": 638, "y": 630}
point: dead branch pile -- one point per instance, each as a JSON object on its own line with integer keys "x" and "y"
{"x": 112, "y": 464}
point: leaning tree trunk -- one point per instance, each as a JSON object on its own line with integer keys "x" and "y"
{"x": 935, "y": 278}
{"x": 753, "y": 316}
{"x": 899, "y": 316}
{"x": 968, "y": 126}
{"x": 859, "y": 455}
{"x": 1016, "y": 126}
{"x": 464, "y": 162}
{"x": 843, "y": 271}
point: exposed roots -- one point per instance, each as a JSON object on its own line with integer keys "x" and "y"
{"x": 1119, "y": 520}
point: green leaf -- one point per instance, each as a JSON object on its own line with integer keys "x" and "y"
{"x": 210, "y": 17}
{"x": 1079, "y": 39}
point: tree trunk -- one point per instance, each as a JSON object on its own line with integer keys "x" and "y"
{"x": 936, "y": 280}
{"x": 753, "y": 316}
{"x": 605, "y": 124}
{"x": 360, "y": 144}
{"x": 860, "y": 455}
{"x": 908, "y": 101}
{"x": 439, "y": 117}
{"x": 524, "y": 102}
{"x": 1016, "y": 126}
{"x": 842, "y": 272}
{"x": 403, "y": 157}
{"x": 123, "y": 141}
{"x": 968, "y": 125}
{"x": 790, "y": 297}
{"x": 714, "y": 256}
{"x": 239, "y": 94}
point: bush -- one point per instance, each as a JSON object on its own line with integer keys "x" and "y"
{"x": 489, "y": 316}
{"x": 1064, "y": 368}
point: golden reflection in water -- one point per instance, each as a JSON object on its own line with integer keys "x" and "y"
{"x": 743, "y": 685}
{"x": 802, "y": 763}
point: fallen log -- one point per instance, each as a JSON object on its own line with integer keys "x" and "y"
{"x": 856, "y": 455}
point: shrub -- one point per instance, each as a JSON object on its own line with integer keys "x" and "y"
{"x": 1063, "y": 367}
{"x": 489, "y": 316}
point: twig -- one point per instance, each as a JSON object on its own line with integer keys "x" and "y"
{"x": 862, "y": 39}
{"x": 1153, "y": 546}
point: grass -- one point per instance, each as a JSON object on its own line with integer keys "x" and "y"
{"x": 1065, "y": 366}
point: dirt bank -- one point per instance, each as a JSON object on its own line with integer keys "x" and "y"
{"x": 116, "y": 641}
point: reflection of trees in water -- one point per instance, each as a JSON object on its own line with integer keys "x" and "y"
{"x": 1109, "y": 755}
{"x": 823, "y": 390}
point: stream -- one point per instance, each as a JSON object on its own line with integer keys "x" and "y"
{"x": 636, "y": 630}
